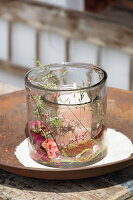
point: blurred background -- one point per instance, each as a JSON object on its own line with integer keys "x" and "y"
{"x": 93, "y": 31}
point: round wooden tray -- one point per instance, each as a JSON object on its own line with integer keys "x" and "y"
{"x": 12, "y": 133}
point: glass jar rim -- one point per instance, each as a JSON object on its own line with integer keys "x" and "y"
{"x": 69, "y": 64}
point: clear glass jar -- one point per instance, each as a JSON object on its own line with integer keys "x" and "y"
{"x": 66, "y": 106}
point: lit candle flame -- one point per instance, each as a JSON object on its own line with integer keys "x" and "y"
{"x": 74, "y": 85}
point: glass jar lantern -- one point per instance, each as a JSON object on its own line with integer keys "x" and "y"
{"x": 66, "y": 106}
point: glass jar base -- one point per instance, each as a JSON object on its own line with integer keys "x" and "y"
{"x": 74, "y": 164}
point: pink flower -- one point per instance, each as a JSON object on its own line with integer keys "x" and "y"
{"x": 38, "y": 138}
{"x": 54, "y": 95}
{"x": 29, "y": 78}
{"x": 37, "y": 125}
{"x": 51, "y": 147}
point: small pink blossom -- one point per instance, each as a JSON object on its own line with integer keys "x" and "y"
{"x": 29, "y": 78}
{"x": 37, "y": 125}
{"x": 54, "y": 95}
{"x": 47, "y": 130}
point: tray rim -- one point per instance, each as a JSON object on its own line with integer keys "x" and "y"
{"x": 68, "y": 174}
{"x": 29, "y": 171}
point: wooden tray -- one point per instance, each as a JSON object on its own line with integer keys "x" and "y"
{"x": 12, "y": 133}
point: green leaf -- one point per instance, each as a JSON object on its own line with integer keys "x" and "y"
{"x": 39, "y": 64}
{"x": 56, "y": 122}
{"x": 63, "y": 74}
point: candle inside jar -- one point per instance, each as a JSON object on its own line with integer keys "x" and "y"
{"x": 74, "y": 97}
{"x": 77, "y": 116}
